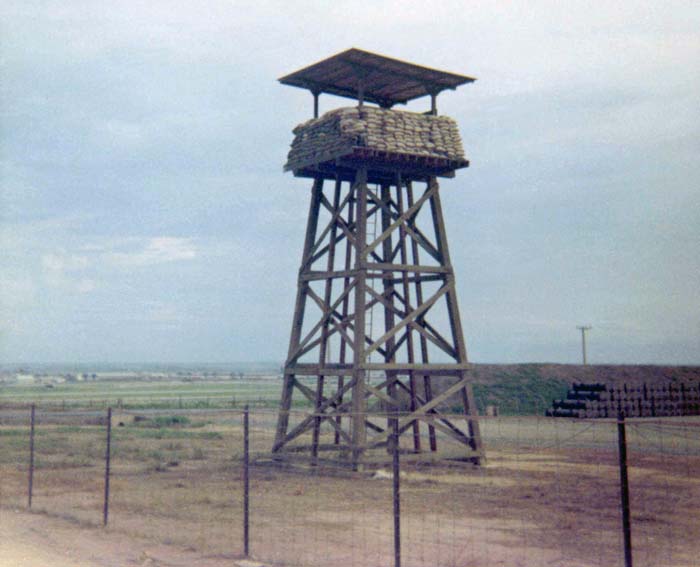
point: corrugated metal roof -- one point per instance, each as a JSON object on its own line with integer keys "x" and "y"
{"x": 385, "y": 81}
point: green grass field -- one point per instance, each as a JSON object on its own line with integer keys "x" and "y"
{"x": 514, "y": 395}
{"x": 154, "y": 394}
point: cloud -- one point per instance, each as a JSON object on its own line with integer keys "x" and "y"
{"x": 64, "y": 271}
{"x": 62, "y": 262}
{"x": 163, "y": 313}
{"x": 19, "y": 292}
{"x": 160, "y": 250}
{"x": 123, "y": 133}
{"x": 85, "y": 285}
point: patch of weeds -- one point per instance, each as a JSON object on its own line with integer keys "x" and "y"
{"x": 197, "y": 454}
{"x": 162, "y": 421}
{"x": 153, "y": 433}
{"x": 171, "y": 421}
{"x": 72, "y": 462}
{"x": 71, "y": 429}
{"x": 14, "y": 433}
{"x": 164, "y": 466}
{"x": 14, "y": 444}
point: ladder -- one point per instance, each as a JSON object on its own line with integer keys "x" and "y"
{"x": 369, "y": 319}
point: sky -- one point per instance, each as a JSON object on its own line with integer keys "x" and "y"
{"x": 144, "y": 214}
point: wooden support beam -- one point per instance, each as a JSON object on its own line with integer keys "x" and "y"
{"x": 325, "y": 334}
{"x": 307, "y": 422}
{"x": 408, "y": 227}
{"x": 427, "y": 379}
{"x": 339, "y": 272}
{"x": 300, "y": 344}
{"x": 408, "y": 268}
{"x": 328, "y": 275}
{"x": 433, "y": 369}
{"x": 359, "y": 403}
{"x": 328, "y": 369}
{"x": 405, "y": 421}
{"x": 407, "y": 214}
{"x": 408, "y": 318}
{"x": 299, "y": 309}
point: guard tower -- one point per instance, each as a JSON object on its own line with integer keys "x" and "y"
{"x": 376, "y": 334}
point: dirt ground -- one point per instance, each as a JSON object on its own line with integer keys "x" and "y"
{"x": 39, "y": 540}
{"x": 548, "y": 496}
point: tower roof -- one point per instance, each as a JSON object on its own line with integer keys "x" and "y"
{"x": 382, "y": 80}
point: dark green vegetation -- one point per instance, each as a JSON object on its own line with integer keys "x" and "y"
{"x": 528, "y": 389}
{"x": 520, "y": 395}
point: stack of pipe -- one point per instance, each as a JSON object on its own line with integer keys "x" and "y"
{"x": 645, "y": 400}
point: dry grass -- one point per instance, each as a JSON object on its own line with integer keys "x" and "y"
{"x": 547, "y": 496}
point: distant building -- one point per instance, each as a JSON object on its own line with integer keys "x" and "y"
{"x": 25, "y": 378}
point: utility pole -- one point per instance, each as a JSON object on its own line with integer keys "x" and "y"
{"x": 583, "y": 330}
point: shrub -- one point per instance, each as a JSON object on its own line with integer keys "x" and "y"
{"x": 170, "y": 421}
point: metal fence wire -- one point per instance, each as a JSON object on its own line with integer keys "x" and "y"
{"x": 551, "y": 492}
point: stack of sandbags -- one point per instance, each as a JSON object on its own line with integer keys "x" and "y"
{"x": 337, "y": 132}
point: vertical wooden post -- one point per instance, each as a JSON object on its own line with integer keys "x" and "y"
{"x": 246, "y": 483}
{"x": 387, "y": 249}
{"x": 345, "y": 307}
{"x": 427, "y": 384}
{"x": 323, "y": 347}
{"x": 396, "y": 475}
{"x": 455, "y": 322}
{"x": 108, "y": 456}
{"x": 358, "y": 430}
{"x": 403, "y": 250}
{"x": 30, "y": 487}
{"x": 624, "y": 489}
{"x": 299, "y": 308}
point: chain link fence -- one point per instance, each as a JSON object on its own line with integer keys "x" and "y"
{"x": 548, "y": 494}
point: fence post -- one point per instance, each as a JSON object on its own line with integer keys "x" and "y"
{"x": 108, "y": 455}
{"x": 624, "y": 488}
{"x": 30, "y": 487}
{"x": 246, "y": 483}
{"x": 396, "y": 473}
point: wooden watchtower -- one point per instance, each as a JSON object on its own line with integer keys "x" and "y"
{"x": 376, "y": 334}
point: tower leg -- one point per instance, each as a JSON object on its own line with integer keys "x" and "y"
{"x": 468, "y": 402}
{"x": 298, "y": 321}
{"x": 359, "y": 406}
{"x": 323, "y": 347}
{"x": 388, "y": 293}
{"x": 344, "y": 312}
{"x": 427, "y": 384}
